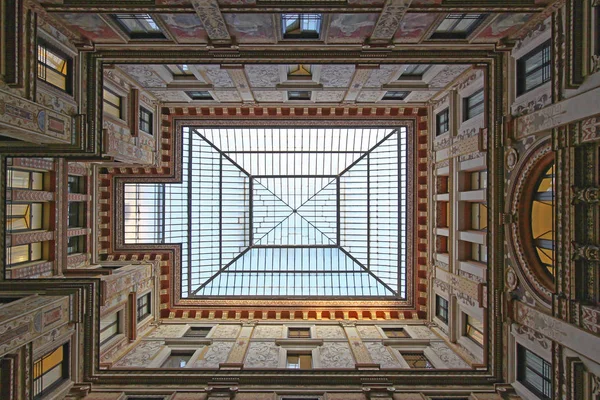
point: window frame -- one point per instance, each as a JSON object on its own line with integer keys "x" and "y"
{"x": 79, "y": 245}
{"x": 396, "y": 95}
{"x": 302, "y": 34}
{"x": 149, "y": 121}
{"x": 31, "y": 180}
{"x": 29, "y": 254}
{"x": 468, "y": 107}
{"x": 439, "y": 123}
{"x": 522, "y": 365}
{"x": 409, "y": 72}
{"x": 458, "y": 35}
{"x": 387, "y": 330}
{"x": 31, "y": 216}
{"x": 299, "y": 95}
{"x": 298, "y": 329}
{"x": 76, "y": 180}
{"x": 422, "y": 357}
{"x": 208, "y": 329}
{"x": 146, "y": 302}
{"x": 522, "y": 75}
{"x": 65, "y": 372}
{"x": 110, "y": 103}
{"x": 299, "y": 354}
{"x": 442, "y": 307}
{"x": 80, "y": 215}
{"x": 192, "y": 94}
{"x": 117, "y": 322}
{"x": 41, "y": 43}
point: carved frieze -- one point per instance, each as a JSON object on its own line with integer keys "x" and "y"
{"x": 262, "y": 355}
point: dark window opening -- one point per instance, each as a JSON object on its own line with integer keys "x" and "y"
{"x": 50, "y": 371}
{"x": 458, "y": 26}
{"x": 301, "y": 26}
{"x": 441, "y": 308}
{"x": 139, "y": 26}
{"x": 414, "y": 72}
{"x": 54, "y": 67}
{"x": 534, "y": 373}
{"x": 76, "y": 184}
{"x": 76, "y": 216}
{"x": 299, "y": 333}
{"x": 197, "y": 332}
{"x": 299, "y": 94}
{"x": 442, "y": 122}
{"x": 535, "y": 68}
{"x": 144, "y": 307}
{"x": 473, "y": 105}
{"x": 395, "y": 95}
{"x": 199, "y": 95}
{"x": 417, "y": 360}
{"x": 145, "y": 120}
{"x": 112, "y": 103}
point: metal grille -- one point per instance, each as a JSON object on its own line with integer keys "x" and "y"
{"x": 282, "y": 212}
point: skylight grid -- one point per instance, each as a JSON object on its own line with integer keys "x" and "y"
{"x": 244, "y": 230}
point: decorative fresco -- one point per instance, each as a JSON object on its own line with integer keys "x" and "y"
{"x": 503, "y": 25}
{"x": 413, "y": 27}
{"x": 251, "y": 28}
{"x": 351, "y": 28}
{"x": 336, "y": 75}
{"x": 187, "y": 28}
{"x": 92, "y": 26}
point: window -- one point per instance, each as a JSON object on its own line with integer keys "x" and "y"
{"x": 76, "y": 184}
{"x": 145, "y": 120}
{"x": 395, "y": 95}
{"x": 50, "y": 371}
{"x": 112, "y": 103}
{"x": 19, "y": 179}
{"x": 299, "y": 71}
{"x": 417, "y": 360}
{"x": 197, "y": 332}
{"x": 534, "y": 68}
{"x": 199, "y": 95}
{"x": 442, "y": 122}
{"x": 301, "y": 26}
{"x": 24, "y": 217}
{"x": 534, "y": 373}
{"x": 180, "y": 70}
{"x": 479, "y": 252}
{"x": 24, "y": 253}
{"x": 394, "y": 333}
{"x": 139, "y": 26}
{"x": 479, "y": 216}
{"x": 441, "y": 308}
{"x": 473, "y": 105}
{"x": 109, "y": 327}
{"x": 75, "y": 244}
{"x": 458, "y": 26}
{"x": 299, "y": 333}
{"x": 477, "y": 180}
{"x": 54, "y": 67}
{"x": 542, "y": 219}
{"x": 76, "y": 217}
{"x": 144, "y": 306}
{"x": 299, "y": 94}
{"x": 299, "y": 361}
{"x": 178, "y": 359}
{"x": 414, "y": 72}
{"x": 474, "y": 329}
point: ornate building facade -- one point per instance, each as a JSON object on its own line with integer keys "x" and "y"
{"x": 285, "y": 200}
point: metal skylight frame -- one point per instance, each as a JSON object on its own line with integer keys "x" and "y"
{"x": 235, "y": 156}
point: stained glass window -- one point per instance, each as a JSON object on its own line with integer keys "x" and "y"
{"x": 542, "y": 219}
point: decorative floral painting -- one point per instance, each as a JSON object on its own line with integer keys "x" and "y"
{"x": 92, "y": 26}
{"x": 351, "y": 28}
{"x": 251, "y": 28}
{"x": 187, "y": 28}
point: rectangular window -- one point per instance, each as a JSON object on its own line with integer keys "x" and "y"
{"x": 299, "y": 95}
{"x": 477, "y": 180}
{"x": 395, "y": 95}
{"x": 300, "y": 333}
{"x": 301, "y": 26}
{"x": 76, "y": 244}
{"x": 474, "y": 329}
{"x": 479, "y": 216}
{"x": 442, "y": 122}
{"x": 139, "y": 26}
{"x": 76, "y": 217}
{"x": 414, "y": 72}
{"x": 180, "y": 70}
{"x": 535, "y": 68}
{"x": 144, "y": 307}
{"x": 417, "y": 360}
{"x": 178, "y": 359}
{"x": 145, "y": 120}
{"x": 53, "y": 67}
{"x": 76, "y": 184}
{"x": 24, "y": 217}
{"x": 19, "y": 179}
{"x": 109, "y": 327}
{"x": 534, "y": 373}
{"x": 197, "y": 332}
{"x": 112, "y": 103}
{"x": 24, "y": 253}
{"x": 458, "y": 26}
{"x": 199, "y": 95}
{"x": 478, "y": 252}
{"x": 473, "y": 105}
{"x": 299, "y": 361}
{"x": 441, "y": 308}
{"x": 50, "y": 371}
{"x": 393, "y": 333}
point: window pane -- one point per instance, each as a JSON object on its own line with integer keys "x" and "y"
{"x": 18, "y": 179}
{"x": 17, "y": 254}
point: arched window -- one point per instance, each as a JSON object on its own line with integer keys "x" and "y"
{"x": 542, "y": 219}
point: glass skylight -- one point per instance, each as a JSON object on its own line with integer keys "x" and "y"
{"x": 282, "y": 212}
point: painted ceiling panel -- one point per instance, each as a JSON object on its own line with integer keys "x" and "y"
{"x": 176, "y": 96}
{"x": 263, "y": 76}
{"x": 269, "y": 96}
{"x": 381, "y": 76}
{"x": 218, "y": 77}
{"x": 369, "y": 96}
{"x": 503, "y": 25}
{"x": 251, "y": 28}
{"x": 187, "y": 28}
{"x": 337, "y": 75}
{"x": 228, "y": 96}
{"x": 329, "y": 96}
{"x": 351, "y": 28}
{"x": 92, "y": 26}
{"x": 413, "y": 27}
{"x": 447, "y": 75}
{"x": 144, "y": 74}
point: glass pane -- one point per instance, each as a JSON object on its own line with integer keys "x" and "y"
{"x": 37, "y": 180}
{"x": 17, "y": 254}
{"x": 56, "y": 79}
{"x": 52, "y": 360}
{"x": 36, "y": 215}
{"x": 36, "y": 251}
{"x": 18, "y": 179}
{"x": 305, "y": 361}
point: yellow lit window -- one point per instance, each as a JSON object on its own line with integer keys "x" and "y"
{"x": 479, "y": 252}
{"x": 478, "y": 180}
{"x": 542, "y": 219}
{"x": 49, "y": 371}
{"x": 299, "y": 70}
{"x": 395, "y": 333}
{"x": 478, "y": 216}
{"x": 299, "y": 361}
{"x": 24, "y": 253}
{"x": 24, "y": 216}
{"x": 19, "y": 179}
{"x": 53, "y": 68}
{"x": 474, "y": 329}
{"x": 303, "y": 333}
{"x": 417, "y": 360}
